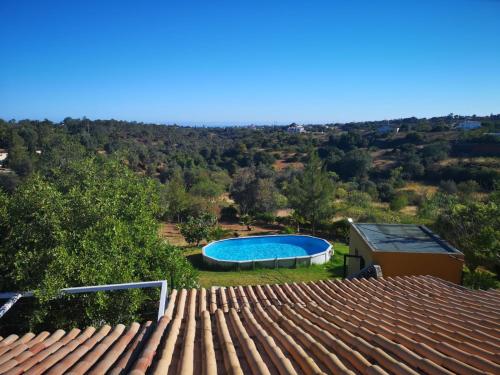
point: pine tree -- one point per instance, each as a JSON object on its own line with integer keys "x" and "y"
{"x": 310, "y": 194}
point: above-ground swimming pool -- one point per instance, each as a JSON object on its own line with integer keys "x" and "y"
{"x": 267, "y": 251}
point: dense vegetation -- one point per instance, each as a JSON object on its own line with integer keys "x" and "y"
{"x": 81, "y": 200}
{"x": 88, "y": 223}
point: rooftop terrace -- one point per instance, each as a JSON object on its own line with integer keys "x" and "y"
{"x": 402, "y": 325}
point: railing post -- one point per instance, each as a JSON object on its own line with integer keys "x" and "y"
{"x": 7, "y": 305}
{"x": 163, "y": 299}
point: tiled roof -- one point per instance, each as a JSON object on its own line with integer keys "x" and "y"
{"x": 401, "y": 325}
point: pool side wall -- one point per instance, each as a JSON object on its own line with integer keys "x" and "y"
{"x": 319, "y": 258}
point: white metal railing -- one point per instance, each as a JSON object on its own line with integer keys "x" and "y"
{"x": 13, "y": 297}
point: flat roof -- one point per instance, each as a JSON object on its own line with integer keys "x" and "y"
{"x": 403, "y": 238}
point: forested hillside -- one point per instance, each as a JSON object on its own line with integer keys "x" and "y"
{"x": 96, "y": 190}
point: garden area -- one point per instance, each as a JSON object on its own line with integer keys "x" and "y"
{"x": 209, "y": 277}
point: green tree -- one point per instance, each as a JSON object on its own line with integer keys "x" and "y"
{"x": 311, "y": 193}
{"x": 399, "y": 201}
{"x": 247, "y": 220}
{"x": 255, "y": 191}
{"x": 474, "y": 228}
{"x": 91, "y": 222}
{"x": 174, "y": 198}
{"x": 196, "y": 229}
{"x": 19, "y": 159}
{"x": 243, "y": 189}
{"x": 354, "y": 164}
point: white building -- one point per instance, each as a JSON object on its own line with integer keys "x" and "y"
{"x": 468, "y": 125}
{"x": 296, "y": 129}
{"x": 3, "y": 155}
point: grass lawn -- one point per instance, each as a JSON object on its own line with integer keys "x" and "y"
{"x": 208, "y": 278}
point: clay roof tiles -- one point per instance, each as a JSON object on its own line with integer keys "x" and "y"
{"x": 401, "y": 325}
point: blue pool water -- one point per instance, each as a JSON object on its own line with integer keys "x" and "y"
{"x": 265, "y": 247}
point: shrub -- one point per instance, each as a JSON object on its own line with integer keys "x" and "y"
{"x": 480, "y": 279}
{"x": 266, "y": 217}
{"x": 468, "y": 187}
{"x": 399, "y": 202}
{"x": 198, "y": 228}
{"x": 229, "y": 213}
{"x": 448, "y": 186}
{"x": 288, "y": 230}
{"x": 385, "y": 192}
{"x": 340, "y": 230}
{"x": 218, "y": 233}
{"x": 359, "y": 199}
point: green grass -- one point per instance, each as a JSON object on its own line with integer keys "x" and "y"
{"x": 208, "y": 278}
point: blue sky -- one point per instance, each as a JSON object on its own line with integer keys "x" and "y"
{"x": 242, "y": 62}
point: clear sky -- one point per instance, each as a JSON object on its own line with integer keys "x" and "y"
{"x": 242, "y": 62}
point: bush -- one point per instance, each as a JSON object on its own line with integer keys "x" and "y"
{"x": 341, "y": 193}
{"x": 480, "y": 279}
{"x": 340, "y": 230}
{"x": 448, "y": 186}
{"x": 229, "y": 213}
{"x": 468, "y": 187}
{"x": 399, "y": 202}
{"x": 198, "y": 228}
{"x": 288, "y": 230}
{"x": 359, "y": 199}
{"x": 9, "y": 182}
{"x": 265, "y": 217}
{"x": 218, "y": 233}
{"x": 386, "y": 192}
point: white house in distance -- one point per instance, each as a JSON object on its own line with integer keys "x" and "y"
{"x": 3, "y": 155}
{"x": 468, "y": 125}
{"x": 294, "y": 128}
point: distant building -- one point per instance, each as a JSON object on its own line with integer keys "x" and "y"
{"x": 468, "y": 125}
{"x": 294, "y": 128}
{"x": 3, "y": 155}
{"x": 402, "y": 250}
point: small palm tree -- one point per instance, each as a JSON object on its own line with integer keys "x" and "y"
{"x": 247, "y": 220}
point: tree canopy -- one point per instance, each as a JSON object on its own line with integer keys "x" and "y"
{"x": 310, "y": 194}
{"x": 88, "y": 223}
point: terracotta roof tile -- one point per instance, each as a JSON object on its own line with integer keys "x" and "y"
{"x": 401, "y": 325}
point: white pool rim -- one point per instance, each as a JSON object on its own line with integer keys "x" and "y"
{"x": 317, "y": 258}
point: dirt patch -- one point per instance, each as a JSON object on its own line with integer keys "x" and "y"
{"x": 281, "y": 164}
{"x": 284, "y": 212}
{"x": 410, "y": 210}
{"x": 420, "y": 188}
{"x": 171, "y": 233}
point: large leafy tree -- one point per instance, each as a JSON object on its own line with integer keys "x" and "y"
{"x": 92, "y": 222}
{"x": 195, "y": 229}
{"x": 255, "y": 191}
{"x": 311, "y": 193}
{"x": 474, "y": 228}
{"x": 174, "y": 198}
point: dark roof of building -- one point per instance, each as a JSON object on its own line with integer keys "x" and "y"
{"x": 403, "y": 238}
{"x": 401, "y": 325}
